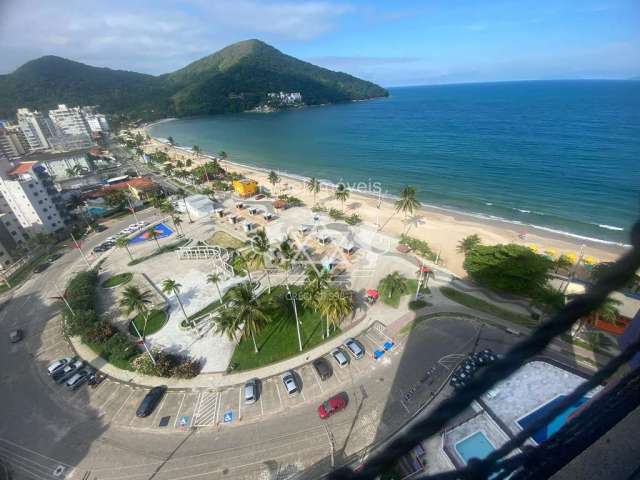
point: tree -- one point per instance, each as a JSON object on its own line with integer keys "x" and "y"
{"x": 258, "y": 255}
{"x": 510, "y": 268}
{"x": 227, "y": 323}
{"x": 171, "y": 286}
{"x": 168, "y": 169}
{"x": 606, "y": 311}
{"x": 468, "y": 243}
{"x": 151, "y": 232}
{"x": 407, "y": 203}
{"x": 188, "y": 162}
{"x": 249, "y": 312}
{"x": 215, "y": 279}
{"x": 177, "y": 222}
{"x": 123, "y": 242}
{"x": 391, "y": 285}
{"x": 273, "y": 178}
{"x": 334, "y": 304}
{"x": 134, "y": 299}
{"x": 342, "y": 194}
{"x": 116, "y": 199}
{"x": 196, "y": 149}
{"x": 315, "y": 282}
{"x": 287, "y": 252}
{"x": 179, "y": 164}
{"x": 563, "y": 262}
{"x": 314, "y": 187}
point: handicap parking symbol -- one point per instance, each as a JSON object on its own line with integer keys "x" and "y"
{"x": 184, "y": 421}
{"x": 228, "y": 416}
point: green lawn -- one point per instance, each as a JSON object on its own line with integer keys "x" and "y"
{"x": 23, "y": 272}
{"x": 119, "y": 279}
{"x": 118, "y": 363}
{"x": 279, "y": 340}
{"x": 223, "y": 239}
{"x": 157, "y": 319}
{"x": 411, "y": 287}
{"x": 486, "y": 307}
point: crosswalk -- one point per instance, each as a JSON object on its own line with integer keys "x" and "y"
{"x": 207, "y": 409}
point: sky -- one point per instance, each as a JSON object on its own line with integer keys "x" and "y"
{"x": 398, "y": 42}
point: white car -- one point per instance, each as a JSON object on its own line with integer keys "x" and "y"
{"x": 340, "y": 358}
{"x": 110, "y": 239}
{"x": 57, "y": 365}
{"x": 354, "y": 348}
{"x": 290, "y": 384}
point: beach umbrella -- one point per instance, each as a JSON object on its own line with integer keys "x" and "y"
{"x": 402, "y": 248}
{"x": 424, "y": 269}
{"x": 571, "y": 256}
{"x": 551, "y": 252}
{"x": 533, "y": 247}
{"x": 372, "y": 293}
{"x": 589, "y": 260}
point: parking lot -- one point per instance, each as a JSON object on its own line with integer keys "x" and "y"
{"x": 116, "y": 402}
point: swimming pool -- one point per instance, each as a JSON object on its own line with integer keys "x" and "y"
{"x": 161, "y": 230}
{"x": 476, "y": 445}
{"x": 555, "y": 424}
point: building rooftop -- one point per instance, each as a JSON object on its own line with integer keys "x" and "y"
{"x": 23, "y": 167}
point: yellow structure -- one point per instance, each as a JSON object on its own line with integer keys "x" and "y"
{"x": 245, "y": 187}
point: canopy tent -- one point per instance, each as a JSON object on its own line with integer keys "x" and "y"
{"x": 349, "y": 248}
{"x": 323, "y": 237}
{"x": 328, "y": 263}
{"x": 267, "y": 215}
{"x": 372, "y": 293}
{"x": 302, "y": 228}
{"x": 252, "y": 210}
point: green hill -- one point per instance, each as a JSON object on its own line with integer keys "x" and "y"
{"x": 236, "y": 78}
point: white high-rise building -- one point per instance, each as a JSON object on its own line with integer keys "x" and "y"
{"x": 69, "y": 121}
{"x": 13, "y": 143}
{"x": 30, "y": 195}
{"x": 35, "y": 128}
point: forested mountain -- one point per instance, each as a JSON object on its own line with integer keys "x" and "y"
{"x": 236, "y": 78}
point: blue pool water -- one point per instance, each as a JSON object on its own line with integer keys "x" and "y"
{"x": 161, "y": 229}
{"x": 556, "y": 424}
{"x": 474, "y": 446}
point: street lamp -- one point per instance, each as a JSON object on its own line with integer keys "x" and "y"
{"x": 292, "y": 297}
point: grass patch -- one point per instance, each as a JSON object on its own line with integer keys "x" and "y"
{"x": 418, "y": 304}
{"x": 279, "y": 340}
{"x": 156, "y": 320}
{"x": 223, "y": 239}
{"x": 486, "y": 307}
{"x": 119, "y": 279}
{"x": 159, "y": 251}
{"x": 411, "y": 285}
{"x": 124, "y": 364}
{"x": 24, "y": 272}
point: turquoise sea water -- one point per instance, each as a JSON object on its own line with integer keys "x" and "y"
{"x": 560, "y": 155}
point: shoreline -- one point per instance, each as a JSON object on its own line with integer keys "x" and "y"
{"x": 441, "y": 227}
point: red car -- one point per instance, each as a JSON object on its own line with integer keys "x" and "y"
{"x": 331, "y": 406}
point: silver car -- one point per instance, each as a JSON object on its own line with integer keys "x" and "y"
{"x": 251, "y": 391}
{"x": 340, "y": 358}
{"x": 290, "y": 384}
{"x": 57, "y": 365}
{"x": 78, "y": 378}
{"x": 354, "y": 348}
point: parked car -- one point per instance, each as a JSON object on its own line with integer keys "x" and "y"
{"x": 65, "y": 373}
{"x": 78, "y": 378}
{"x": 334, "y": 404}
{"x": 58, "y": 364}
{"x": 322, "y": 368}
{"x": 290, "y": 383}
{"x": 41, "y": 268}
{"x": 53, "y": 257}
{"x": 15, "y": 335}
{"x": 99, "y": 248}
{"x": 354, "y": 348}
{"x": 150, "y": 401}
{"x": 340, "y": 358}
{"x": 251, "y": 391}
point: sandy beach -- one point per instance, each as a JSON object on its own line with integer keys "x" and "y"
{"x": 441, "y": 228}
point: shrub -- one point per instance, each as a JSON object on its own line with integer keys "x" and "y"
{"x": 143, "y": 364}
{"x": 99, "y": 333}
{"x": 188, "y": 368}
{"x": 318, "y": 208}
{"x": 291, "y": 200}
{"x": 165, "y": 363}
{"x": 336, "y": 214}
{"x": 119, "y": 347}
{"x": 421, "y": 247}
{"x": 418, "y": 304}
{"x": 80, "y": 322}
{"x": 353, "y": 219}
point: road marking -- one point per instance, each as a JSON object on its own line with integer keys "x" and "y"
{"x": 42, "y": 350}
{"x": 261, "y": 408}
{"x": 218, "y": 407}
{"x": 104, "y": 405}
{"x": 278, "y": 392}
{"x": 205, "y": 415}
{"x": 239, "y": 403}
{"x": 123, "y": 404}
{"x": 178, "y": 412}
{"x": 317, "y": 377}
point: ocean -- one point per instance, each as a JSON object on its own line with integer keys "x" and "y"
{"x": 557, "y": 155}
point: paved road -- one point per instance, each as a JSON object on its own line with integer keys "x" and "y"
{"x": 48, "y": 432}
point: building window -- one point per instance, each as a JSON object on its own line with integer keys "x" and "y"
{"x": 48, "y": 217}
{"x": 14, "y": 233}
{"x": 39, "y": 202}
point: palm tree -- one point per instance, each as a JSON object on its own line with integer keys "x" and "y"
{"x": 197, "y": 150}
{"x": 314, "y": 187}
{"x": 607, "y": 311}
{"x": 342, "y": 194}
{"x": 273, "y": 179}
{"x": 134, "y": 299}
{"x": 249, "y": 312}
{"x": 334, "y": 304}
{"x": 171, "y": 286}
{"x": 227, "y": 323}
{"x": 168, "y": 169}
{"x": 188, "y": 162}
{"x": 288, "y": 254}
{"x": 468, "y": 243}
{"x": 176, "y": 223}
{"x": 215, "y": 279}
{"x": 180, "y": 164}
{"x": 123, "y": 242}
{"x": 315, "y": 282}
{"x": 151, "y": 231}
{"x": 394, "y": 283}
{"x": 258, "y": 255}
{"x": 407, "y": 203}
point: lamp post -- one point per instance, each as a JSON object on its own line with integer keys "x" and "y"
{"x": 292, "y": 297}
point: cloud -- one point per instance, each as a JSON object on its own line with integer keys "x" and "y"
{"x": 153, "y": 37}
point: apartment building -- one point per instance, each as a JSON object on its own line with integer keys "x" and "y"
{"x": 36, "y": 128}
{"x": 69, "y": 121}
{"x": 13, "y": 143}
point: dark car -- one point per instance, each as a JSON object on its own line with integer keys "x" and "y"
{"x": 322, "y": 368}
{"x": 41, "y": 268}
{"x": 53, "y": 257}
{"x": 332, "y": 405}
{"x": 16, "y": 335}
{"x": 150, "y": 401}
{"x": 67, "y": 372}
